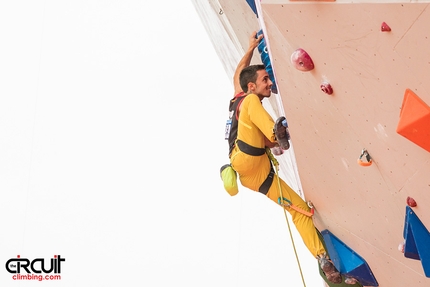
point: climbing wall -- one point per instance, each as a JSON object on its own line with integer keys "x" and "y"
{"x": 367, "y": 90}
{"x": 370, "y": 54}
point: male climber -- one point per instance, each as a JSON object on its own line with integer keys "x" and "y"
{"x": 256, "y": 130}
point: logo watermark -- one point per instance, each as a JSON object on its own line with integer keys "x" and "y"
{"x": 37, "y": 269}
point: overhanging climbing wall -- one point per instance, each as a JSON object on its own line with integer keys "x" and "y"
{"x": 369, "y": 69}
{"x": 366, "y": 56}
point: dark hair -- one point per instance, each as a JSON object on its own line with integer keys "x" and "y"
{"x": 249, "y": 74}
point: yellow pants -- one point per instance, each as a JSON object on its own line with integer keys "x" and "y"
{"x": 253, "y": 170}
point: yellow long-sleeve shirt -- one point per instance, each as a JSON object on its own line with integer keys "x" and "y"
{"x": 255, "y": 123}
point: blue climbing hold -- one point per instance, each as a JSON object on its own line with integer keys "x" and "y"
{"x": 417, "y": 240}
{"x": 347, "y": 261}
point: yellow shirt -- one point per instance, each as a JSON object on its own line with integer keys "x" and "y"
{"x": 255, "y": 123}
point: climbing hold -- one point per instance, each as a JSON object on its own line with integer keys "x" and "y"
{"x": 301, "y": 60}
{"x": 251, "y": 4}
{"x": 326, "y": 88}
{"x": 411, "y": 202}
{"x": 368, "y": 158}
{"x": 385, "y": 27}
{"x": 414, "y": 123}
{"x": 269, "y": 71}
{"x": 417, "y": 240}
{"x": 265, "y": 59}
{"x": 347, "y": 261}
{"x": 402, "y": 246}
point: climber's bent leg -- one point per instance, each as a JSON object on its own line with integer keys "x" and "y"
{"x": 304, "y": 224}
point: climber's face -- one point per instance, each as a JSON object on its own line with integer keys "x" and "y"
{"x": 262, "y": 86}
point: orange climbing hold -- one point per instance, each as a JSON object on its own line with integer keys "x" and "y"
{"x": 414, "y": 123}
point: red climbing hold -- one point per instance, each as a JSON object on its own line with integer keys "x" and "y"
{"x": 385, "y": 27}
{"x": 326, "y": 88}
{"x": 301, "y": 60}
{"x": 411, "y": 202}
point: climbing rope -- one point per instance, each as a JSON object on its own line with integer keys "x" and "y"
{"x": 289, "y": 204}
{"x": 281, "y": 199}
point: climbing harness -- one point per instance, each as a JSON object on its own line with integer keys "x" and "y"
{"x": 254, "y": 151}
{"x": 267, "y": 183}
{"x": 249, "y": 149}
{"x": 232, "y": 122}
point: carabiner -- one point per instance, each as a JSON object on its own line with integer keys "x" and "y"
{"x": 368, "y": 158}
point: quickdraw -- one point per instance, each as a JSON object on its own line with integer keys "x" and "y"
{"x": 368, "y": 158}
{"x": 292, "y": 206}
{"x": 284, "y": 202}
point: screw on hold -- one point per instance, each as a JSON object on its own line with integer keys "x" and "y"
{"x": 368, "y": 158}
{"x": 411, "y": 202}
{"x": 385, "y": 27}
{"x": 326, "y": 88}
{"x": 301, "y": 60}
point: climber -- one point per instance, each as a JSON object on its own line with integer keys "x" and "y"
{"x": 255, "y": 132}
